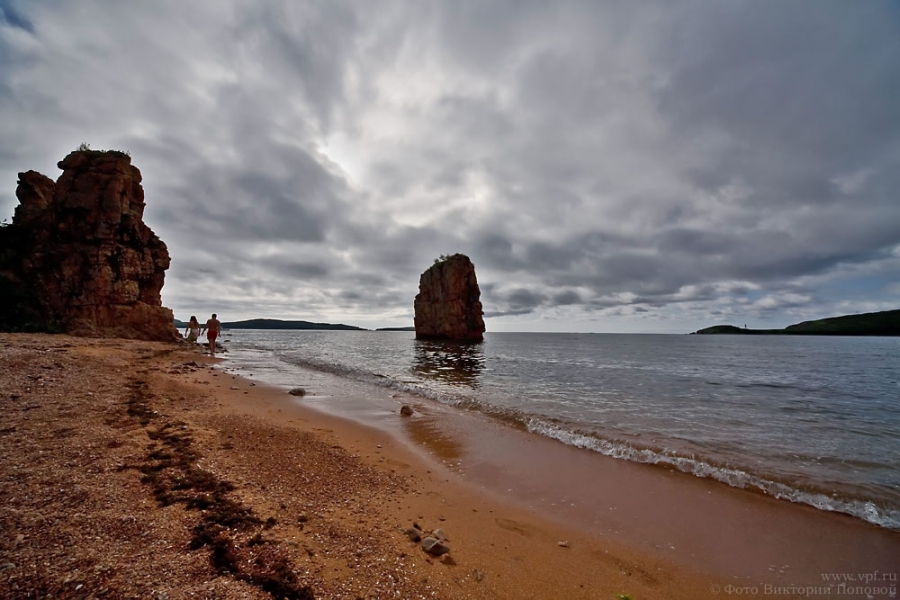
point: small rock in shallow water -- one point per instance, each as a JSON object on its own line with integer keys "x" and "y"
{"x": 406, "y": 411}
{"x": 298, "y": 391}
{"x": 434, "y": 547}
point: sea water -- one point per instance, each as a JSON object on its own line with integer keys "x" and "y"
{"x": 810, "y": 419}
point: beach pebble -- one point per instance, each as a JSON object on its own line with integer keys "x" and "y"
{"x": 297, "y": 391}
{"x": 434, "y": 547}
{"x": 562, "y": 544}
{"x": 234, "y": 387}
{"x": 406, "y": 411}
{"x": 414, "y": 534}
{"x": 440, "y": 535}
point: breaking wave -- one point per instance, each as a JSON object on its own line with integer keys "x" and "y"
{"x": 713, "y": 419}
{"x": 868, "y": 510}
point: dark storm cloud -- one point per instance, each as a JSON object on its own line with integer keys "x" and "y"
{"x": 9, "y": 15}
{"x": 791, "y": 77}
{"x": 256, "y": 205}
{"x": 695, "y": 241}
{"x": 645, "y": 160}
{"x": 521, "y": 299}
{"x": 806, "y": 97}
{"x": 567, "y": 298}
{"x": 306, "y": 43}
{"x": 299, "y": 270}
{"x": 773, "y": 91}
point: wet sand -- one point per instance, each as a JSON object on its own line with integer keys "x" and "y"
{"x": 732, "y": 536}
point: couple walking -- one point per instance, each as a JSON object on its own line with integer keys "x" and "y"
{"x": 211, "y": 328}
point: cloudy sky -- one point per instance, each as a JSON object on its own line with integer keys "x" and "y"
{"x": 608, "y": 165}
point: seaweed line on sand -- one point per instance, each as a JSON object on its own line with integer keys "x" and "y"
{"x": 230, "y": 530}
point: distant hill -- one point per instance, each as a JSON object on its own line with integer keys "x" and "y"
{"x": 411, "y": 328}
{"x": 878, "y": 323}
{"x": 277, "y": 324}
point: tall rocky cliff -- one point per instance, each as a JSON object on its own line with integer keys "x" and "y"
{"x": 78, "y": 257}
{"x": 448, "y": 305}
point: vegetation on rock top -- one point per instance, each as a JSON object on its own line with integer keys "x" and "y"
{"x": 445, "y": 257}
{"x": 85, "y": 147}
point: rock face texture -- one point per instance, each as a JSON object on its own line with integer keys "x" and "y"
{"x": 78, "y": 257}
{"x": 448, "y": 305}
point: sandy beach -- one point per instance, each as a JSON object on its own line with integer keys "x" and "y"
{"x": 145, "y": 470}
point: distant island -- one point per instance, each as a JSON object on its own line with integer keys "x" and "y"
{"x": 411, "y": 328}
{"x": 278, "y": 324}
{"x": 877, "y": 323}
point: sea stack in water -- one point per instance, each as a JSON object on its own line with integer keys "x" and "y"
{"x": 448, "y": 305}
{"x": 78, "y": 257}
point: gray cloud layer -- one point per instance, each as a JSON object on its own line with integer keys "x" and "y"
{"x": 607, "y": 165}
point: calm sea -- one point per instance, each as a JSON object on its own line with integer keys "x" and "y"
{"x": 814, "y": 420}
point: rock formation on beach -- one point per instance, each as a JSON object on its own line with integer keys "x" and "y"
{"x": 448, "y": 305}
{"x": 78, "y": 257}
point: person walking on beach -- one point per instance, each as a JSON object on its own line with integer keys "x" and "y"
{"x": 212, "y": 332}
{"x": 192, "y": 331}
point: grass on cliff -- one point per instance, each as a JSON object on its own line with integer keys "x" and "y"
{"x": 445, "y": 257}
{"x": 85, "y": 147}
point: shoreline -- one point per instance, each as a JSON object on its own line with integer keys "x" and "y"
{"x": 843, "y": 464}
{"x": 339, "y": 491}
{"x": 699, "y": 524}
{"x": 132, "y": 469}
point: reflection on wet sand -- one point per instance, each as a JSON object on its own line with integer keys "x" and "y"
{"x": 454, "y": 363}
{"x": 426, "y": 431}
